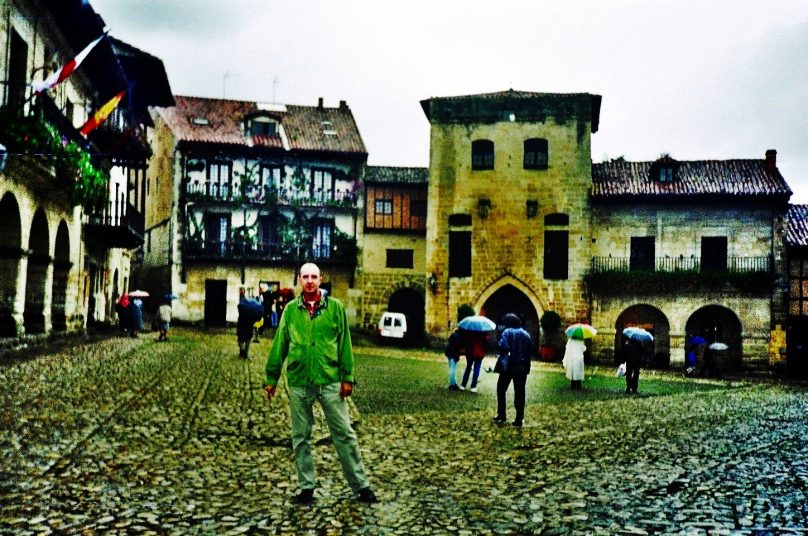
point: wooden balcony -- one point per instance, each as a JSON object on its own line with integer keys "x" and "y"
{"x": 117, "y": 226}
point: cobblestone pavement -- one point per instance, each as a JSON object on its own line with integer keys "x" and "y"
{"x": 130, "y": 436}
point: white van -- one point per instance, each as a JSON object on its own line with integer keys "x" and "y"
{"x": 392, "y": 326}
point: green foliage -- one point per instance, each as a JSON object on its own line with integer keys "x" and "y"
{"x": 615, "y": 282}
{"x": 343, "y": 245}
{"x": 32, "y": 135}
{"x": 464, "y": 311}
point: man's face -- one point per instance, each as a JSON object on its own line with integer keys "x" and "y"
{"x": 310, "y": 278}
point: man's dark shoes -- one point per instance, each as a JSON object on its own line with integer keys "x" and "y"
{"x": 366, "y": 495}
{"x": 498, "y": 420}
{"x": 518, "y": 424}
{"x": 306, "y": 496}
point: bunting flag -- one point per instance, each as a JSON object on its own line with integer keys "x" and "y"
{"x": 101, "y": 114}
{"x": 66, "y": 70}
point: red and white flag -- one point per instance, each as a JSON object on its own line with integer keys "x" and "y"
{"x": 101, "y": 114}
{"x": 66, "y": 70}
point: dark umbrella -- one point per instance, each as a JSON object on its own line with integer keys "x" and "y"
{"x": 695, "y": 339}
{"x": 251, "y": 308}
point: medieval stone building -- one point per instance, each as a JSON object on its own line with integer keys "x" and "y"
{"x": 69, "y": 200}
{"x": 242, "y": 193}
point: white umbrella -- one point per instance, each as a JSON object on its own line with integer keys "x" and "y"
{"x": 138, "y": 294}
{"x": 718, "y": 346}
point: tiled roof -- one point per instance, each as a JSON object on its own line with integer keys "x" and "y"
{"x": 698, "y": 178}
{"x": 797, "y": 230}
{"x": 397, "y": 175}
{"x": 305, "y": 128}
{"x": 525, "y": 105}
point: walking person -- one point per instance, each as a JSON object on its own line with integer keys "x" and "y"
{"x": 247, "y": 317}
{"x": 313, "y": 335}
{"x": 474, "y": 343}
{"x": 513, "y": 365}
{"x": 135, "y": 316}
{"x": 124, "y": 315}
{"x": 633, "y": 354}
{"x": 454, "y": 348}
{"x": 163, "y": 320}
{"x": 574, "y": 362}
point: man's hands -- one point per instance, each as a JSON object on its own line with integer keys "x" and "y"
{"x": 270, "y": 391}
{"x": 345, "y": 389}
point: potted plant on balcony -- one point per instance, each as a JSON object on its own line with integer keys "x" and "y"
{"x": 551, "y": 343}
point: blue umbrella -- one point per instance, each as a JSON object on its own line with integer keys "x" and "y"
{"x": 638, "y": 334}
{"x": 695, "y": 339}
{"x": 251, "y": 308}
{"x": 477, "y": 323}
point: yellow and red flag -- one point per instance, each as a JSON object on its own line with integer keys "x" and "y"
{"x": 101, "y": 114}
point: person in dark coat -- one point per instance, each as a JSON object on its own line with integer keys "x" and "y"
{"x": 244, "y": 325}
{"x": 122, "y": 308}
{"x": 513, "y": 365}
{"x": 136, "y": 316}
{"x": 633, "y": 354}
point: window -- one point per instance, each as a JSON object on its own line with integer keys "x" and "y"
{"x": 460, "y": 219}
{"x": 556, "y": 254}
{"x": 383, "y": 206}
{"x": 642, "y": 253}
{"x": 666, "y": 173}
{"x": 714, "y": 254}
{"x": 482, "y": 154}
{"x": 217, "y": 234}
{"x": 269, "y": 180}
{"x": 219, "y": 174}
{"x": 459, "y": 253}
{"x": 322, "y": 186}
{"x": 557, "y": 218}
{"x": 267, "y": 244}
{"x": 535, "y": 153}
{"x": 321, "y": 239}
{"x": 17, "y": 67}
{"x": 399, "y": 258}
{"x": 418, "y": 208}
{"x": 263, "y": 126}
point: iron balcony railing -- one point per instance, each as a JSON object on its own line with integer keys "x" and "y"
{"x": 762, "y": 264}
{"x": 118, "y": 225}
{"x": 236, "y": 251}
{"x": 201, "y": 191}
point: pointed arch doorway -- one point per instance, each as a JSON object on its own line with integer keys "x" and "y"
{"x": 509, "y": 299}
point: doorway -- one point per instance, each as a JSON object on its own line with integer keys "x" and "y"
{"x": 215, "y": 303}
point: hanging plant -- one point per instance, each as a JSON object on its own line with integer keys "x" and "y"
{"x": 32, "y": 135}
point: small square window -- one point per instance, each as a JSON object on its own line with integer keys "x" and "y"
{"x": 384, "y": 206}
{"x": 399, "y": 258}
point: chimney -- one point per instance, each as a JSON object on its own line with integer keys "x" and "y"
{"x": 771, "y": 160}
{"x": 343, "y": 105}
{"x": 320, "y": 103}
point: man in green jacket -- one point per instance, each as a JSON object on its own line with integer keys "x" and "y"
{"x": 313, "y": 335}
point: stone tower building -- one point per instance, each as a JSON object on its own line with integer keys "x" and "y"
{"x": 508, "y": 214}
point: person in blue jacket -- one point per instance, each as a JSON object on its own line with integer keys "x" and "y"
{"x": 513, "y": 365}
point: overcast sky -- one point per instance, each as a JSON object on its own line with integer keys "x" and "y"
{"x": 698, "y": 79}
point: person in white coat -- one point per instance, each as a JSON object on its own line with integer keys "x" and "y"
{"x": 574, "y": 362}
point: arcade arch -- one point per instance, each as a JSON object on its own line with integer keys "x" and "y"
{"x": 410, "y": 302}
{"x": 35, "y": 280}
{"x": 717, "y": 323}
{"x": 61, "y": 272}
{"x": 10, "y": 256}
{"x": 652, "y": 319}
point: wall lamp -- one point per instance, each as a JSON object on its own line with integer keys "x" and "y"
{"x": 531, "y": 208}
{"x": 433, "y": 283}
{"x": 483, "y": 207}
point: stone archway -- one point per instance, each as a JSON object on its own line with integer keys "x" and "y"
{"x": 652, "y": 319}
{"x": 717, "y": 323}
{"x": 410, "y": 302}
{"x": 36, "y": 277}
{"x": 61, "y": 272}
{"x": 10, "y": 255}
{"x": 509, "y": 299}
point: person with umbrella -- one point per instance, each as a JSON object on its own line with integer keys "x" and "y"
{"x": 475, "y": 334}
{"x": 249, "y": 311}
{"x": 122, "y": 308}
{"x": 513, "y": 365}
{"x": 710, "y": 368}
{"x": 633, "y": 353}
{"x": 574, "y": 353}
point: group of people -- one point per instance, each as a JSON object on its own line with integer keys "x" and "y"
{"x": 130, "y": 317}
{"x": 513, "y": 363}
{"x": 255, "y": 315}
